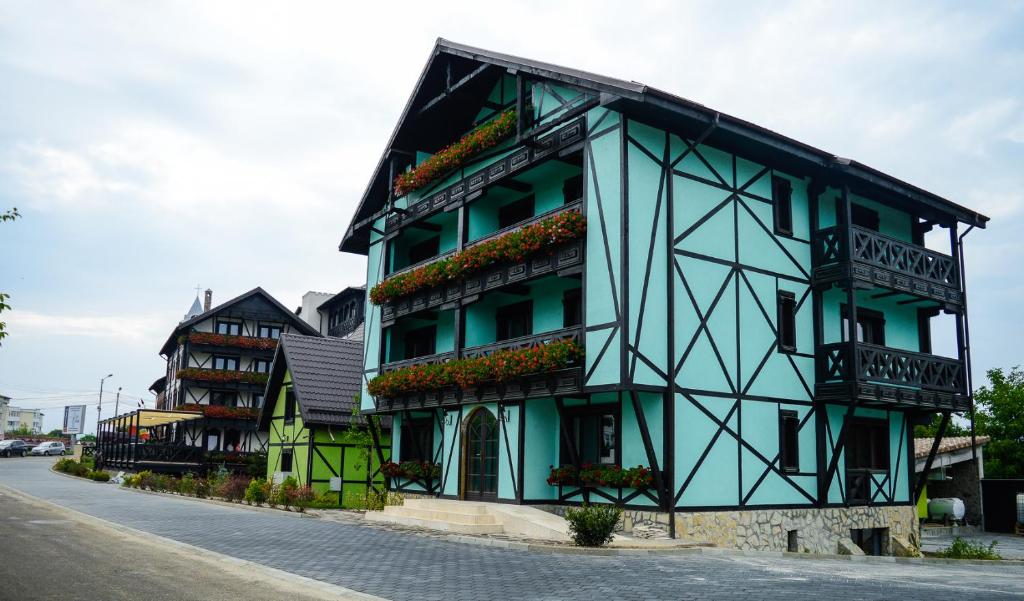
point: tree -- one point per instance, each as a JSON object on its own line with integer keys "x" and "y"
{"x": 932, "y": 429}
{"x": 56, "y": 433}
{"x": 999, "y": 414}
{"x": 87, "y": 438}
{"x": 6, "y": 216}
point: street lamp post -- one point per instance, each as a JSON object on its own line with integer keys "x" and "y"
{"x": 99, "y": 407}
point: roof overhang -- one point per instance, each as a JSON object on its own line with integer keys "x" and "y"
{"x": 649, "y": 105}
{"x": 150, "y": 418}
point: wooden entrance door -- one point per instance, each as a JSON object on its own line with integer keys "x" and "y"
{"x": 480, "y": 457}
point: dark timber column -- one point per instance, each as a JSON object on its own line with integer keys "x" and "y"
{"x": 820, "y": 411}
{"x": 669, "y": 410}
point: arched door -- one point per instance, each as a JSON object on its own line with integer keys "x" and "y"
{"x": 480, "y": 457}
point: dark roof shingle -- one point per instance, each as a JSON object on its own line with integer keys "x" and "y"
{"x": 326, "y": 376}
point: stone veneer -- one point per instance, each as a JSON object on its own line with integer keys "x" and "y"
{"x": 818, "y": 530}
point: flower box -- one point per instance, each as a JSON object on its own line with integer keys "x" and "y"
{"x": 221, "y": 376}
{"x": 246, "y": 342}
{"x": 611, "y": 476}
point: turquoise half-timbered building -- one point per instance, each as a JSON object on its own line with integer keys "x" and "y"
{"x": 589, "y": 290}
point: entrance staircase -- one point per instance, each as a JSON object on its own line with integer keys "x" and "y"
{"x": 467, "y": 517}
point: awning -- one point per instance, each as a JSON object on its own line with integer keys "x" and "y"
{"x": 149, "y": 418}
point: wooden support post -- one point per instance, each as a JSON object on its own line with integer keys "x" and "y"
{"x": 922, "y": 478}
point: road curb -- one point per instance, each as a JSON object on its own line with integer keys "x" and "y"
{"x": 244, "y": 567}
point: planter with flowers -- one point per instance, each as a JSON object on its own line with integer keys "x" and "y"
{"x": 221, "y": 376}
{"x": 516, "y": 246}
{"x": 609, "y": 483}
{"x": 245, "y": 342}
{"x": 220, "y": 412}
{"x": 484, "y": 137}
{"x": 467, "y": 374}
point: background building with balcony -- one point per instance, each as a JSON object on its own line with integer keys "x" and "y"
{"x": 338, "y": 315}
{"x": 218, "y": 359}
{"x": 584, "y": 289}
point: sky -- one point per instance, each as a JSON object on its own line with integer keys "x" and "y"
{"x": 155, "y": 147}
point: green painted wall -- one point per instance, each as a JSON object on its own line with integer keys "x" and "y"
{"x": 547, "y": 180}
{"x": 291, "y": 436}
{"x": 546, "y": 295}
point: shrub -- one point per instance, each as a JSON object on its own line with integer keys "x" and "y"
{"x": 283, "y": 493}
{"x": 300, "y": 497}
{"x": 130, "y": 481}
{"x": 146, "y": 479}
{"x": 201, "y": 488}
{"x": 965, "y": 549}
{"x": 64, "y": 465}
{"x": 257, "y": 492}
{"x": 592, "y": 525}
{"x": 326, "y": 500}
{"x": 233, "y": 488}
{"x": 375, "y": 500}
{"x": 99, "y": 476}
{"x": 187, "y": 485}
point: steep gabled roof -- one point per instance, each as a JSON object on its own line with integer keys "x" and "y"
{"x": 286, "y": 315}
{"x": 326, "y": 377}
{"x": 468, "y": 70}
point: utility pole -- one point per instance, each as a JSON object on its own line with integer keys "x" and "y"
{"x": 117, "y": 400}
{"x": 99, "y": 407}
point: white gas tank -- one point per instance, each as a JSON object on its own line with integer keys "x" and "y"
{"x": 940, "y": 508}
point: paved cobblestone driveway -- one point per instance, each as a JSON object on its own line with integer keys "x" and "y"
{"x": 403, "y": 566}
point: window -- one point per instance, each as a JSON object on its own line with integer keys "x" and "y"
{"x": 286, "y": 460}
{"x": 789, "y": 441}
{"x": 257, "y": 400}
{"x": 231, "y": 328}
{"x": 417, "y": 439}
{"x": 572, "y": 190}
{"x": 787, "y": 321}
{"x": 289, "y": 406}
{"x": 421, "y": 251}
{"x": 261, "y": 366}
{"x": 572, "y": 308}
{"x": 223, "y": 398}
{"x": 514, "y": 320}
{"x": 870, "y": 325}
{"x": 420, "y": 342}
{"x": 515, "y": 212}
{"x": 594, "y": 434}
{"x": 867, "y": 444}
{"x": 864, "y": 217}
{"x": 222, "y": 362}
{"x": 782, "y": 197}
{"x": 270, "y": 331}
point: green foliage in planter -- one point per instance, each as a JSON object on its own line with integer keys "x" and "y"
{"x": 375, "y": 500}
{"x": 221, "y": 376}
{"x": 592, "y": 525}
{"x": 451, "y": 157}
{"x": 326, "y": 500}
{"x": 500, "y": 366}
{"x": 514, "y": 246}
{"x": 257, "y": 492}
{"x": 965, "y": 549}
{"x": 99, "y": 476}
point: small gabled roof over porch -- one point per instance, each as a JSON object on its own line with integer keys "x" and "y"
{"x": 326, "y": 378}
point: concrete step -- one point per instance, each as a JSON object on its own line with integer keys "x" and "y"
{"x": 461, "y": 517}
{"x": 447, "y": 505}
{"x": 442, "y": 525}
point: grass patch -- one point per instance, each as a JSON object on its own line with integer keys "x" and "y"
{"x": 965, "y": 549}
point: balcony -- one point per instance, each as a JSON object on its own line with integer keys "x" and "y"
{"x": 557, "y": 383}
{"x": 885, "y": 376}
{"x": 534, "y": 151}
{"x": 887, "y": 262}
{"x": 564, "y": 259}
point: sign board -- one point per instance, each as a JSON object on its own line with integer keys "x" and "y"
{"x": 74, "y": 419}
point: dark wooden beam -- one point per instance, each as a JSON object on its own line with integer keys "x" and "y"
{"x": 912, "y": 301}
{"x": 922, "y": 478}
{"x": 451, "y": 88}
{"x": 430, "y": 227}
{"x": 885, "y": 294}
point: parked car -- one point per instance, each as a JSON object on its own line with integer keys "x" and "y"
{"x": 49, "y": 448}
{"x": 14, "y": 447}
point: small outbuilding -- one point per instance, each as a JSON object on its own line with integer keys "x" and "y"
{"x": 956, "y": 472}
{"x": 315, "y": 432}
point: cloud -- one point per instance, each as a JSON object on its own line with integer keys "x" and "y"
{"x": 129, "y": 328}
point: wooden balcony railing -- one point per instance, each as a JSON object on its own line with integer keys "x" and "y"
{"x": 541, "y": 148}
{"x": 886, "y": 261}
{"x": 886, "y": 365}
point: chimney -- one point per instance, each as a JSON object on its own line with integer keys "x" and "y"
{"x": 207, "y": 300}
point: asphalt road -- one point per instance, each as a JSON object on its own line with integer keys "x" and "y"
{"x": 397, "y": 565}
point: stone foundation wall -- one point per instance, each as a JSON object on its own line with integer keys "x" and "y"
{"x": 817, "y": 530}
